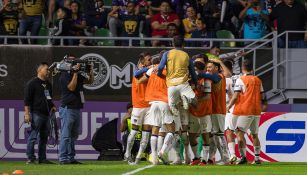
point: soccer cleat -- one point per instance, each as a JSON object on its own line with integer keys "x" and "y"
{"x": 256, "y": 162}
{"x": 195, "y": 161}
{"x": 242, "y": 161}
{"x": 233, "y": 159}
{"x": 210, "y": 162}
{"x": 202, "y": 163}
{"x": 185, "y": 102}
{"x": 163, "y": 159}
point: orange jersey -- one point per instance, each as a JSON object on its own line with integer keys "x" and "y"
{"x": 156, "y": 88}
{"x": 249, "y": 101}
{"x": 204, "y": 107}
{"x": 219, "y": 96}
{"x": 138, "y": 94}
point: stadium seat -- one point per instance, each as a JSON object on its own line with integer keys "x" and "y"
{"x": 43, "y": 32}
{"x": 225, "y": 34}
{"x": 104, "y": 33}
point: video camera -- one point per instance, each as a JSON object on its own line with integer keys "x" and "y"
{"x": 69, "y": 65}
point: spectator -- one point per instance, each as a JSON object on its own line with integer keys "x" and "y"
{"x": 62, "y": 26}
{"x": 200, "y": 32}
{"x": 131, "y": 23}
{"x": 53, "y": 5}
{"x": 78, "y": 23}
{"x": 146, "y": 11}
{"x": 9, "y": 21}
{"x": 96, "y": 13}
{"x": 172, "y": 30}
{"x": 189, "y": 23}
{"x": 210, "y": 11}
{"x": 290, "y": 16}
{"x": 31, "y": 19}
{"x": 160, "y": 21}
{"x": 118, "y": 8}
{"x": 255, "y": 20}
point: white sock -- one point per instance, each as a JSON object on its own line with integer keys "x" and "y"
{"x": 212, "y": 150}
{"x": 153, "y": 146}
{"x": 242, "y": 152}
{"x": 168, "y": 143}
{"x": 160, "y": 143}
{"x": 185, "y": 140}
{"x": 231, "y": 148}
{"x": 205, "y": 152}
{"x": 143, "y": 144}
{"x": 223, "y": 147}
{"x": 195, "y": 151}
{"x": 257, "y": 150}
{"x": 176, "y": 147}
{"x": 130, "y": 142}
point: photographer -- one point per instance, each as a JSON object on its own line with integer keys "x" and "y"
{"x": 38, "y": 105}
{"x": 71, "y": 86}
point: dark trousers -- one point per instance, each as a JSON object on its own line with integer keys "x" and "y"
{"x": 39, "y": 131}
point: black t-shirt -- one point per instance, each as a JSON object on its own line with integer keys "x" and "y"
{"x": 290, "y": 18}
{"x": 71, "y": 99}
{"x": 131, "y": 24}
{"x": 9, "y": 22}
{"x": 36, "y": 96}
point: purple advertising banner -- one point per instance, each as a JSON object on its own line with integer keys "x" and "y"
{"x": 94, "y": 115}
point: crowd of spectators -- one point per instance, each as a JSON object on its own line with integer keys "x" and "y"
{"x": 248, "y": 19}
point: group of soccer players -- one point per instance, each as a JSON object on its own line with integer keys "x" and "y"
{"x": 175, "y": 97}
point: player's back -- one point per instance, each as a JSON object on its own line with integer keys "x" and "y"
{"x": 249, "y": 101}
{"x": 138, "y": 94}
{"x": 156, "y": 88}
{"x": 219, "y": 96}
{"x": 177, "y": 67}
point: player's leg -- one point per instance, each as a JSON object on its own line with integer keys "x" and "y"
{"x": 146, "y": 131}
{"x": 173, "y": 99}
{"x": 254, "y": 128}
{"x": 205, "y": 129}
{"x": 193, "y": 133}
{"x": 243, "y": 124}
{"x": 136, "y": 122}
{"x": 230, "y": 123}
{"x": 187, "y": 95}
{"x": 184, "y": 119}
{"x": 168, "y": 141}
{"x": 156, "y": 115}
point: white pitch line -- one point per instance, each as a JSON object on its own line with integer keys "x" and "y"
{"x": 138, "y": 170}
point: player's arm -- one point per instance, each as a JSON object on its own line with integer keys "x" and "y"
{"x": 124, "y": 125}
{"x": 28, "y": 99}
{"x": 139, "y": 73}
{"x": 213, "y": 77}
{"x": 226, "y": 71}
{"x": 192, "y": 72}
{"x": 162, "y": 64}
{"x": 264, "y": 101}
{"x": 237, "y": 90}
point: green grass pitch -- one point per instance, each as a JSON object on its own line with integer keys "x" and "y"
{"x": 120, "y": 167}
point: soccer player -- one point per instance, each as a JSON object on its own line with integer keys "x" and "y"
{"x": 248, "y": 100}
{"x": 218, "y": 112}
{"x": 140, "y": 109}
{"x": 229, "y": 119}
{"x": 178, "y": 67}
{"x": 200, "y": 121}
{"x": 156, "y": 95}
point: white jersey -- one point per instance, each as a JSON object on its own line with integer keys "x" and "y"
{"x": 230, "y": 84}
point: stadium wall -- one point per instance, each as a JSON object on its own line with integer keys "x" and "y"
{"x": 282, "y": 131}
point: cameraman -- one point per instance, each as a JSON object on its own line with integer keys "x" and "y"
{"x": 38, "y": 104}
{"x": 71, "y": 86}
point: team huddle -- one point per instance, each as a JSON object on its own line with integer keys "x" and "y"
{"x": 177, "y": 98}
